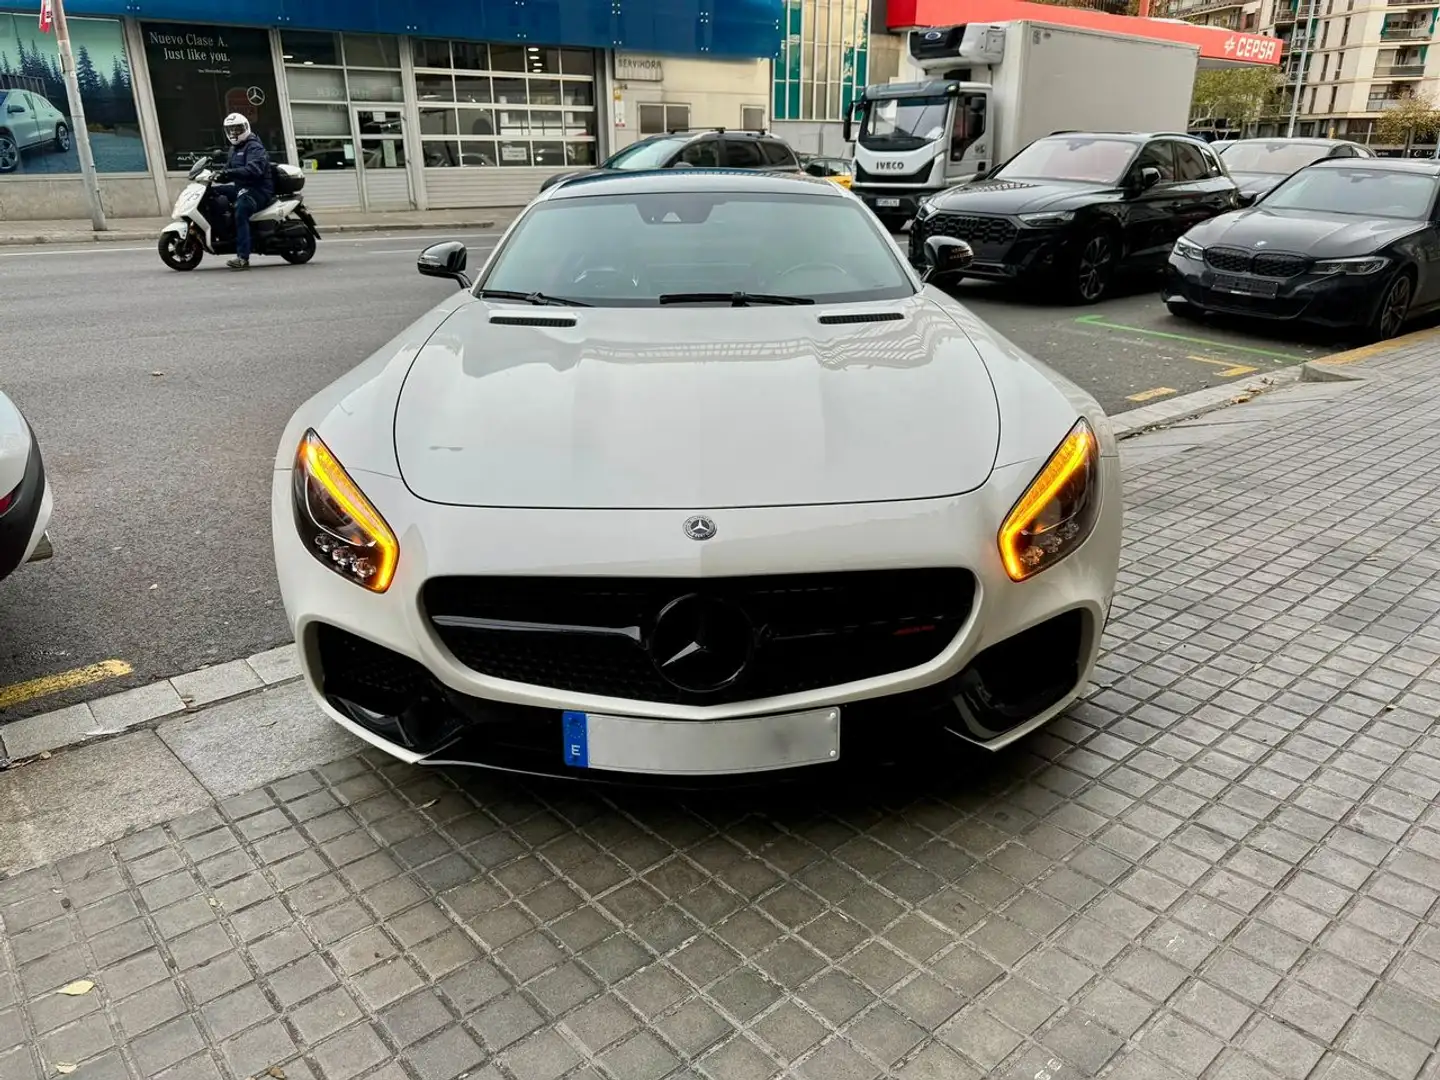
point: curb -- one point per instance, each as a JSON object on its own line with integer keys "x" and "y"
{"x": 122, "y": 235}
{"x": 145, "y": 706}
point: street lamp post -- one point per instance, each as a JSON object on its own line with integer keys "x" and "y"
{"x": 1312, "y": 6}
{"x": 79, "y": 130}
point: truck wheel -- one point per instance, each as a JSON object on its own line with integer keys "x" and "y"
{"x": 1087, "y": 274}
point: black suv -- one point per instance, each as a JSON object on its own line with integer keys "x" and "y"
{"x": 1077, "y": 207}
{"x": 710, "y": 148}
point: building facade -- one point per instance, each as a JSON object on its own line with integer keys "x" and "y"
{"x": 387, "y": 104}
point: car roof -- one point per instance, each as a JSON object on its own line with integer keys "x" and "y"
{"x": 700, "y": 133}
{"x": 1298, "y": 140}
{"x": 1423, "y": 166}
{"x": 646, "y": 181}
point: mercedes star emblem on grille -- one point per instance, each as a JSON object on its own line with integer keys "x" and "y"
{"x": 701, "y": 644}
{"x": 699, "y": 528}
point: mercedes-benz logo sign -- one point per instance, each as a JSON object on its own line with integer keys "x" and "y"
{"x": 700, "y": 527}
{"x": 701, "y": 644}
{"x": 255, "y": 96}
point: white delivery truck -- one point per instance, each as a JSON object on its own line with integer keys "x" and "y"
{"x": 976, "y": 94}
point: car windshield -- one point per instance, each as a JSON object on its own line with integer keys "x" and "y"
{"x": 650, "y": 154}
{"x": 630, "y": 250}
{"x": 1082, "y": 158}
{"x": 1279, "y": 158}
{"x": 1360, "y": 191}
{"x": 903, "y": 123}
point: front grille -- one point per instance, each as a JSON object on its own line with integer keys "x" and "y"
{"x": 972, "y": 228}
{"x": 1230, "y": 260}
{"x": 1275, "y": 264}
{"x": 808, "y": 631}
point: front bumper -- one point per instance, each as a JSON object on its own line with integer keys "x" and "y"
{"x": 379, "y": 666}
{"x": 1005, "y": 249}
{"x": 1334, "y": 300}
{"x": 22, "y": 526}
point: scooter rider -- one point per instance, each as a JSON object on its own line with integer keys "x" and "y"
{"x": 250, "y": 187}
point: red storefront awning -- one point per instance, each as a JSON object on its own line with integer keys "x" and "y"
{"x": 1216, "y": 43}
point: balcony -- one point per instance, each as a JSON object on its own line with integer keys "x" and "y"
{"x": 1400, "y": 71}
{"x": 1413, "y": 3}
{"x": 1380, "y": 104}
{"x": 1405, "y": 32}
{"x": 1289, "y": 13}
{"x": 1188, "y": 10}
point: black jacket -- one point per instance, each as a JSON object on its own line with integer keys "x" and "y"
{"x": 249, "y": 167}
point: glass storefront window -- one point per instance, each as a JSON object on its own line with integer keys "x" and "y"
{"x": 580, "y": 125}
{"x": 579, "y": 153}
{"x": 578, "y": 93}
{"x": 438, "y": 122}
{"x": 320, "y": 120}
{"x": 318, "y": 155}
{"x": 432, "y": 54}
{"x": 375, "y": 86}
{"x": 549, "y": 153}
{"x": 304, "y": 47}
{"x": 473, "y": 88}
{"x": 479, "y": 152}
{"x": 507, "y": 58}
{"x": 477, "y": 122}
{"x": 515, "y": 154}
{"x": 367, "y": 50}
{"x": 315, "y": 84}
{"x": 577, "y": 62}
{"x": 541, "y": 61}
{"x": 510, "y": 91}
{"x": 544, "y": 91}
{"x": 435, "y": 87}
{"x": 471, "y": 55}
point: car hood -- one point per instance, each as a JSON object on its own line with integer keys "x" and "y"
{"x": 1255, "y": 183}
{"x": 1016, "y": 196}
{"x": 695, "y": 407}
{"x": 1309, "y": 232}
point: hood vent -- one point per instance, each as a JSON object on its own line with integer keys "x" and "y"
{"x": 861, "y": 317}
{"x": 561, "y": 322}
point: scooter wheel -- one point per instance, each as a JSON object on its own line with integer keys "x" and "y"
{"x": 303, "y": 252}
{"x": 180, "y": 254}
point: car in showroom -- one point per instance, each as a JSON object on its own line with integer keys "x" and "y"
{"x": 1257, "y": 165}
{"x": 698, "y": 478}
{"x": 1342, "y": 243}
{"x": 1074, "y": 210}
{"x": 707, "y": 148}
{"x": 25, "y": 498}
{"x": 28, "y": 122}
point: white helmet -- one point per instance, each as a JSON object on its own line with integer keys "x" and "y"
{"x": 237, "y": 128}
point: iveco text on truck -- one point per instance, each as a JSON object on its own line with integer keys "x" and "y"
{"x": 978, "y": 93}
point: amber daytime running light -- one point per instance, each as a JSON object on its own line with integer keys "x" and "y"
{"x": 337, "y": 523}
{"x": 1057, "y": 511}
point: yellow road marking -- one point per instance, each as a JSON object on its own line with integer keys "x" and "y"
{"x": 19, "y": 693}
{"x": 1150, "y": 395}
{"x": 1366, "y": 351}
{"x": 1231, "y": 368}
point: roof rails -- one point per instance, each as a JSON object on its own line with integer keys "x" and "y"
{"x": 716, "y": 130}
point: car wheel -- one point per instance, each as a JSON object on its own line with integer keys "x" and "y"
{"x": 1092, "y": 268}
{"x": 1394, "y": 308}
{"x": 180, "y": 254}
{"x": 303, "y": 253}
{"x": 9, "y": 153}
{"x": 62, "y": 138}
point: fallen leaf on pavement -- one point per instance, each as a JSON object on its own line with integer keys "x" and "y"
{"x": 64, "y": 1068}
{"x": 275, "y": 1072}
{"x": 45, "y": 755}
{"x": 1240, "y": 400}
{"x": 157, "y": 374}
{"x": 77, "y": 989}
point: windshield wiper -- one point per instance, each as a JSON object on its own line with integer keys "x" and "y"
{"x": 734, "y": 299}
{"x": 537, "y": 298}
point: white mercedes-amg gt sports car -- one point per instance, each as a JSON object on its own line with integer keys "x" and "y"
{"x": 25, "y": 498}
{"x": 698, "y": 478}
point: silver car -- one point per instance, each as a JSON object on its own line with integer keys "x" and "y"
{"x": 28, "y": 121}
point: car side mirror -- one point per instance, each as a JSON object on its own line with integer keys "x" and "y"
{"x": 946, "y": 255}
{"x": 445, "y": 260}
{"x": 1149, "y": 177}
{"x": 1247, "y": 198}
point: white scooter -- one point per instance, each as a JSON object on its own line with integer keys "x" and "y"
{"x": 203, "y": 223}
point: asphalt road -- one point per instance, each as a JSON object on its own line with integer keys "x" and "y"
{"x": 159, "y": 399}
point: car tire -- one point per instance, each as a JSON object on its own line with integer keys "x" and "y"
{"x": 62, "y": 138}
{"x": 1087, "y": 274}
{"x": 1394, "y": 308}
{"x": 9, "y": 153}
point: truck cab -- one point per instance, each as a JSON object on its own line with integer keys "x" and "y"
{"x": 919, "y": 137}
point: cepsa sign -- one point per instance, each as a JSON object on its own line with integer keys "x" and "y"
{"x": 1253, "y": 47}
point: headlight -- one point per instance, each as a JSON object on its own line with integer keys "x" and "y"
{"x": 1058, "y": 510}
{"x": 1048, "y": 221}
{"x": 1365, "y": 264}
{"x": 337, "y": 523}
{"x": 1188, "y": 249}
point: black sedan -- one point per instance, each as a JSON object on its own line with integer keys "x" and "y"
{"x": 1077, "y": 208}
{"x": 1257, "y": 165}
{"x": 1350, "y": 244}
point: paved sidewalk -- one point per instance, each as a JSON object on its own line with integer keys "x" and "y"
{"x": 13, "y": 233}
{"x": 1224, "y": 865}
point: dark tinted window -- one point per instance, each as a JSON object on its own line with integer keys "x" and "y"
{"x": 1157, "y": 155}
{"x": 778, "y": 154}
{"x": 1189, "y": 165}
{"x": 742, "y": 154}
{"x": 704, "y": 154}
{"x": 1277, "y": 157}
{"x": 1358, "y": 190}
{"x": 1212, "y": 163}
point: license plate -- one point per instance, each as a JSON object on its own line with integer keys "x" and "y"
{"x": 886, "y": 204}
{"x": 1243, "y": 286}
{"x": 699, "y": 748}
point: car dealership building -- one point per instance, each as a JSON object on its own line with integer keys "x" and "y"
{"x": 388, "y": 104}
